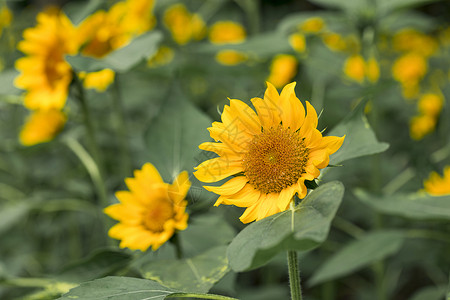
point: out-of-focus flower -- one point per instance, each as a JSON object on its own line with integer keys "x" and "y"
{"x": 6, "y": 18}
{"x": 42, "y": 126}
{"x": 437, "y": 185}
{"x": 99, "y": 80}
{"x": 354, "y": 68}
{"x": 410, "y": 40}
{"x": 183, "y": 25}
{"x": 334, "y": 41}
{"x": 45, "y": 75}
{"x": 106, "y": 31}
{"x": 409, "y": 68}
{"x": 430, "y": 104}
{"x": 151, "y": 212}
{"x": 282, "y": 70}
{"x": 267, "y": 154}
{"x": 372, "y": 70}
{"x": 230, "y": 57}
{"x": 162, "y": 57}
{"x": 312, "y": 25}
{"x": 297, "y": 42}
{"x": 226, "y": 32}
{"x": 421, "y": 125}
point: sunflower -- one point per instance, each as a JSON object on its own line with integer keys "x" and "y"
{"x": 437, "y": 185}
{"x": 151, "y": 212}
{"x": 42, "y": 126}
{"x": 44, "y": 72}
{"x": 269, "y": 153}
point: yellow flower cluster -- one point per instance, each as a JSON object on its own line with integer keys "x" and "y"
{"x": 437, "y": 185}
{"x": 297, "y": 40}
{"x": 44, "y": 73}
{"x": 282, "y": 70}
{"x": 228, "y": 32}
{"x": 429, "y": 106}
{"x": 357, "y": 69}
{"x": 183, "y": 25}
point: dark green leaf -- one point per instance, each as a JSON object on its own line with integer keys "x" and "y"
{"x": 355, "y": 255}
{"x": 123, "y": 59}
{"x": 387, "y": 6}
{"x": 302, "y": 229}
{"x": 174, "y": 135}
{"x": 119, "y": 288}
{"x": 359, "y": 140}
{"x": 197, "y": 274}
{"x": 419, "y": 206}
{"x": 430, "y": 293}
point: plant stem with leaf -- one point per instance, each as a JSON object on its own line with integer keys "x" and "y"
{"x": 294, "y": 275}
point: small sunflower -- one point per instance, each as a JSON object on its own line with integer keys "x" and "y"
{"x": 42, "y": 126}
{"x": 151, "y": 212}
{"x": 269, "y": 153}
{"x": 437, "y": 185}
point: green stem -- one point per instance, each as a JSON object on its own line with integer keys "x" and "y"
{"x": 176, "y": 242}
{"x": 294, "y": 275}
{"x": 121, "y": 128}
{"x": 200, "y": 296}
{"x": 90, "y": 130}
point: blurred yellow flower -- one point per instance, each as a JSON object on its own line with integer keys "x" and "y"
{"x": 42, "y": 126}
{"x": 297, "y": 42}
{"x": 312, "y": 25}
{"x": 411, "y": 40}
{"x": 334, "y": 41}
{"x": 151, "y": 212}
{"x": 409, "y": 68}
{"x": 162, "y": 57}
{"x": 282, "y": 70}
{"x": 410, "y": 90}
{"x": 45, "y": 75}
{"x": 421, "y": 125}
{"x": 6, "y": 17}
{"x": 430, "y": 104}
{"x": 231, "y": 57}
{"x": 99, "y": 80}
{"x": 138, "y": 17}
{"x": 183, "y": 25}
{"x": 372, "y": 70}
{"x": 437, "y": 185}
{"x": 267, "y": 155}
{"x": 227, "y": 32}
{"x": 354, "y": 68}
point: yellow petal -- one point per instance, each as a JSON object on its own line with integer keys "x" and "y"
{"x": 268, "y": 113}
{"x": 332, "y": 143}
{"x": 221, "y": 149}
{"x": 217, "y": 169}
{"x": 245, "y": 116}
{"x": 230, "y": 187}
{"x": 250, "y": 214}
{"x": 244, "y": 198}
{"x": 120, "y": 230}
{"x": 126, "y": 214}
{"x": 285, "y": 198}
{"x": 180, "y": 187}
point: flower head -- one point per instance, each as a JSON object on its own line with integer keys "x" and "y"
{"x": 421, "y": 125}
{"x": 431, "y": 104}
{"x": 42, "y": 126}
{"x": 269, "y": 153}
{"x": 297, "y": 42}
{"x": 230, "y": 57}
{"x": 183, "y": 25}
{"x": 410, "y": 40}
{"x": 312, "y": 25}
{"x": 282, "y": 70}
{"x": 354, "y": 68}
{"x": 151, "y": 212}
{"x": 5, "y": 18}
{"x": 99, "y": 80}
{"x": 44, "y": 72}
{"x": 227, "y": 32}
{"x": 437, "y": 185}
{"x": 409, "y": 68}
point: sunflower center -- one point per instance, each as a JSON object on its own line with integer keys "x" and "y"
{"x": 276, "y": 159}
{"x": 158, "y": 213}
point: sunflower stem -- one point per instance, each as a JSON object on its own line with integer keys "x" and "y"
{"x": 176, "y": 242}
{"x": 294, "y": 275}
{"x": 200, "y": 296}
{"x": 121, "y": 128}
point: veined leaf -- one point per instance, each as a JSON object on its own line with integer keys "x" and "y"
{"x": 301, "y": 229}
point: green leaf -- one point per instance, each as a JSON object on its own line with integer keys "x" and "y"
{"x": 355, "y": 255}
{"x": 119, "y": 288}
{"x": 302, "y": 229}
{"x": 99, "y": 264}
{"x": 77, "y": 12}
{"x": 7, "y": 78}
{"x": 195, "y": 239}
{"x": 197, "y": 274}
{"x": 418, "y": 206}
{"x": 11, "y": 214}
{"x": 174, "y": 135}
{"x": 387, "y": 6}
{"x": 430, "y": 293}
{"x": 359, "y": 140}
{"x": 123, "y": 59}
{"x": 349, "y": 6}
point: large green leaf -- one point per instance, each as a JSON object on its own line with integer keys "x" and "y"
{"x": 419, "y": 206}
{"x": 301, "y": 229}
{"x": 360, "y": 253}
{"x": 349, "y": 6}
{"x": 359, "y": 140}
{"x": 123, "y": 59}
{"x": 197, "y": 274}
{"x": 174, "y": 135}
{"x": 119, "y": 288}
